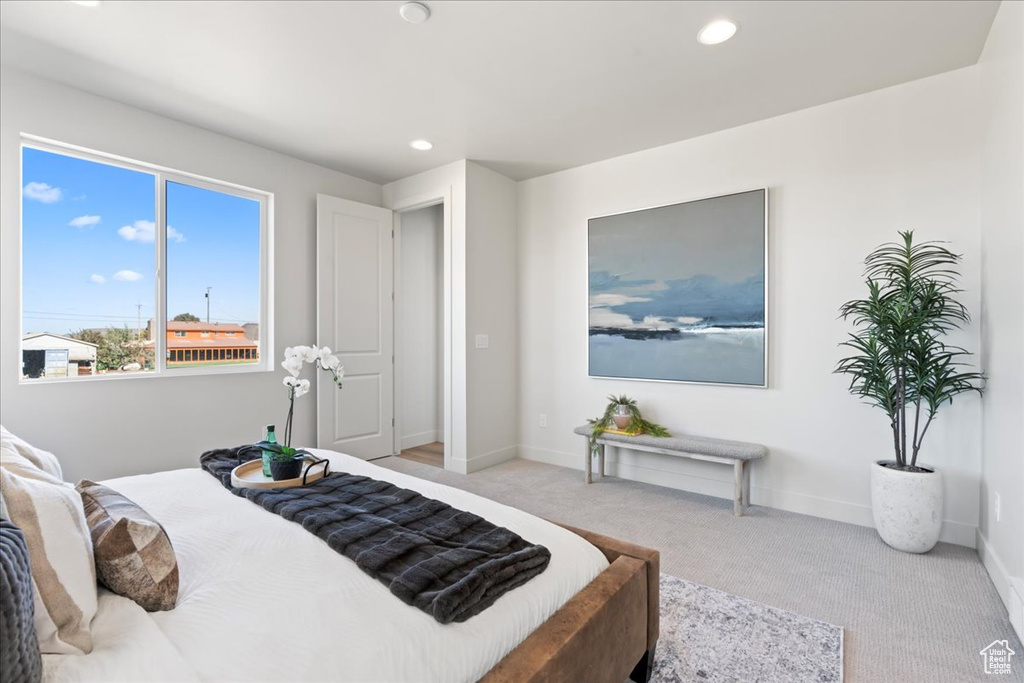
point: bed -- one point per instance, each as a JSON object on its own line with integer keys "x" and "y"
{"x": 261, "y": 599}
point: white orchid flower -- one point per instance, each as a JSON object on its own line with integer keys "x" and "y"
{"x": 305, "y": 353}
{"x": 302, "y": 387}
{"x": 330, "y": 362}
{"x": 292, "y": 366}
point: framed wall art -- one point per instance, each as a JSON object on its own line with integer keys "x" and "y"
{"x": 679, "y": 293}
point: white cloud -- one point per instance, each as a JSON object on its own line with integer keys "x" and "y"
{"x": 84, "y": 221}
{"x": 41, "y": 192}
{"x": 605, "y": 317}
{"x": 145, "y": 231}
{"x": 97, "y": 279}
{"x": 611, "y": 300}
{"x": 140, "y": 231}
{"x": 127, "y": 276}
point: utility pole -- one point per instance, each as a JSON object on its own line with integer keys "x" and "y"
{"x": 208, "y": 305}
{"x": 138, "y": 333}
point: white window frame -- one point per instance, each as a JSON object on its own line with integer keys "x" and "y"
{"x": 162, "y": 175}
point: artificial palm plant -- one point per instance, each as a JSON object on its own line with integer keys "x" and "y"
{"x": 901, "y": 364}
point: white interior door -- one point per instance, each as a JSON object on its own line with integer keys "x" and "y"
{"x": 355, "y": 317}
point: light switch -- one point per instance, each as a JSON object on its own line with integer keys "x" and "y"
{"x": 483, "y": 341}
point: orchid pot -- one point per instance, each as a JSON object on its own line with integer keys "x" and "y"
{"x": 286, "y": 469}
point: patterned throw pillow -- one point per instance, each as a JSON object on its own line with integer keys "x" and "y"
{"x": 134, "y": 557}
{"x": 44, "y": 460}
{"x": 19, "y": 647}
{"x": 49, "y": 512}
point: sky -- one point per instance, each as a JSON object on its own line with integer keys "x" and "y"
{"x": 688, "y": 262}
{"x": 88, "y": 253}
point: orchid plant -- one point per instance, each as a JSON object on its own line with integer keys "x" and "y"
{"x": 295, "y": 357}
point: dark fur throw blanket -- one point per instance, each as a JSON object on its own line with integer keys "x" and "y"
{"x": 449, "y": 563}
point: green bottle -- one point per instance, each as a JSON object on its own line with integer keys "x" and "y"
{"x": 267, "y": 455}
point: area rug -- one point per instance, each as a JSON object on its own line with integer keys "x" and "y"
{"x": 711, "y": 636}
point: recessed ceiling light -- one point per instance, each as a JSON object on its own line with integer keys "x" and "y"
{"x": 414, "y": 12}
{"x": 87, "y": 3}
{"x": 422, "y": 145}
{"x": 717, "y": 32}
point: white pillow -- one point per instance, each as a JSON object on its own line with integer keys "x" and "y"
{"x": 44, "y": 460}
{"x": 49, "y": 513}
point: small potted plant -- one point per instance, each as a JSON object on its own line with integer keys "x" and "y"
{"x": 902, "y": 365}
{"x": 622, "y": 413}
{"x": 285, "y": 461}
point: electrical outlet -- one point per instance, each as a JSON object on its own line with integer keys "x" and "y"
{"x": 543, "y": 420}
{"x": 483, "y": 341}
{"x": 997, "y": 507}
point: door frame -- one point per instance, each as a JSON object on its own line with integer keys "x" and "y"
{"x": 400, "y": 206}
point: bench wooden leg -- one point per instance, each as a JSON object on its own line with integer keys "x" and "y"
{"x": 737, "y": 497}
{"x": 746, "y": 484}
{"x": 586, "y": 460}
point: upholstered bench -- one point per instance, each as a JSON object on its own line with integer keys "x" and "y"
{"x": 736, "y": 453}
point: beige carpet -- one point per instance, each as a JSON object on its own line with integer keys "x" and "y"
{"x": 907, "y": 618}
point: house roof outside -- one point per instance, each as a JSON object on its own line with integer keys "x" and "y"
{"x": 78, "y": 350}
{"x": 35, "y": 335}
{"x": 183, "y": 326}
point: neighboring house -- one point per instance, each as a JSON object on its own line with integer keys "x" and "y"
{"x": 199, "y": 342}
{"x": 51, "y": 355}
{"x": 252, "y": 331}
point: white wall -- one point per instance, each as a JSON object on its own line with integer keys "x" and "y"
{"x": 419, "y": 343}
{"x": 491, "y": 309}
{"x": 843, "y": 178}
{"x": 482, "y": 275}
{"x": 1002, "y": 320}
{"x": 448, "y": 183}
{"x": 106, "y": 428}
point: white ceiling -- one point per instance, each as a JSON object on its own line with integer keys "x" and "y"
{"x": 526, "y": 88}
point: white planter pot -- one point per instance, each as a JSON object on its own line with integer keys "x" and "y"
{"x": 907, "y": 507}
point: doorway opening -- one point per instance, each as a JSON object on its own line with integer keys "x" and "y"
{"x": 419, "y": 335}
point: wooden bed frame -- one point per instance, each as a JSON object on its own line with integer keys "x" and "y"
{"x": 606, "y": 632}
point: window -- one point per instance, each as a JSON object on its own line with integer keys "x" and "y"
{"x": 129, "y": 269}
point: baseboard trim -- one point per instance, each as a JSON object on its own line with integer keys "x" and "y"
{"x": 958, "y": 533}
{"x": 1010, "y": 589}
{"x": 420, "y": 439}
{"x": 485, "y": 460}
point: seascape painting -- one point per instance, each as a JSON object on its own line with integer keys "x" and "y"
{"x": 677, "y": 292}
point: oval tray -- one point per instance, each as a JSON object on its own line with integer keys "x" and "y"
{"x": 249, "y": 475}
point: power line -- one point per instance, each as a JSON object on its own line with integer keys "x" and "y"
{"x": 71, "y": 313}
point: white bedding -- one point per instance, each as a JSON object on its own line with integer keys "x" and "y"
{"x": 262, "y": 599}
